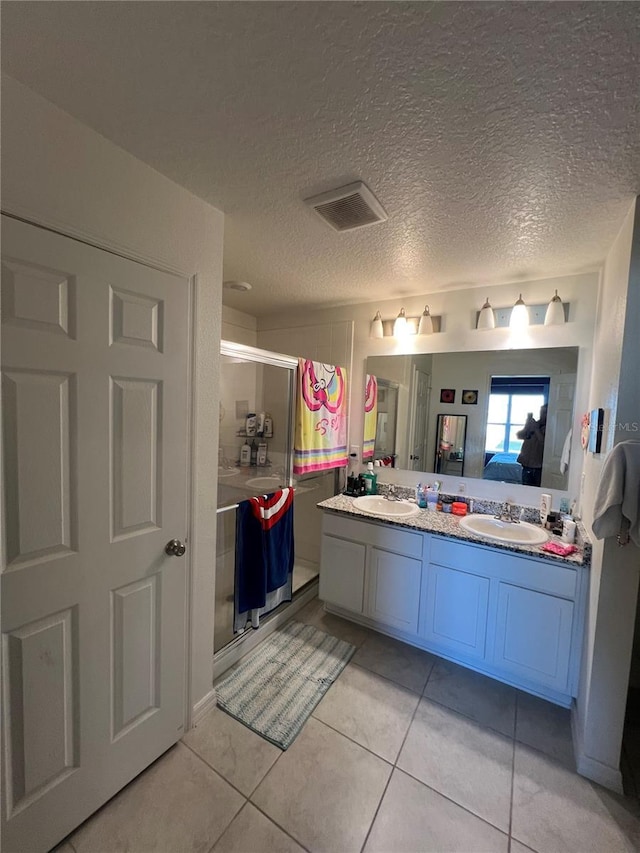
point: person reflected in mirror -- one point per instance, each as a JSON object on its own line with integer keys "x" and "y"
{"x": 532, "y": 450}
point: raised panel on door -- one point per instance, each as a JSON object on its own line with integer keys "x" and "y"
{"x": 38, "y": 297}
{"x": 394, "y": 590}
{"x": 135, "y": 623}
{"x": 95, "y": 471}
{"x": 533, "y": 635}
{"x": 342, "y": 567}
{"x": 456, "y": 608}
{"x": 40, "y": 672}
{"x": 39, "y": 485}
{"x": 136, "y": 463}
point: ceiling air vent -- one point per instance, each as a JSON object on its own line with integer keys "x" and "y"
{"x": 345, "y": 208}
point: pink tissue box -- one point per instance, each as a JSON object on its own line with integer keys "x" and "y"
{"x": 560, "y": 548}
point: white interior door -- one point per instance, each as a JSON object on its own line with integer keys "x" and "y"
{"x": 560, "y": 418}
{"x": 94, "y": 388}
{"x": 420, "y": 392}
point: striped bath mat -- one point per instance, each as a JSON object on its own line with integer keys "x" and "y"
{"x": 275, "y": 690}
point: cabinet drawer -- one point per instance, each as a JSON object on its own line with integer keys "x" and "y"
{"x": 524, "y": 571}
{"x": 377, "y": 534}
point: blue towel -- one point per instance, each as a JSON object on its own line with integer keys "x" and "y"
{"x": 264, "y": 548}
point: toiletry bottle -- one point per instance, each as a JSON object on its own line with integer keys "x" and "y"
{"x": 568, "y": 531}
{"x": 353, "y": 464}
{"x": 268, "y": 425}
{"x": 251, "y": 423}
{"x": 254, "y": 452}
{"x": 260, "y": 424}
{"x": 245, "y": 455}
{"x": 262, "y": 454}
{"x": 370, "y": 480}
{"x": 545, "y": 507}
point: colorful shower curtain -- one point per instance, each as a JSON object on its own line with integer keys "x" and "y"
{"x": 321, "y": 417}
{"x": 370, "y": 416}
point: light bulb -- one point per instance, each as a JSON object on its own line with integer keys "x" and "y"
{"x": 555, "y": 312}
{"x": 400, "y": 327}
{"x": 425, "y": 326}
{"x": 519, "y": 315}
{"x": 486, "y": 317}
{"x": 377, "y": 330}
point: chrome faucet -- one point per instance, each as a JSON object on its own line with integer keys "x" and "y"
{"x": 392, "y": 495}
{"x": 507, "y": 513}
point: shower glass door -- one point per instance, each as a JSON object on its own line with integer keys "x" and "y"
{"x": 253, "y": 382}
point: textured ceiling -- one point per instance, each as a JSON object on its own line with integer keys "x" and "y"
{"x": 502, "y": 138}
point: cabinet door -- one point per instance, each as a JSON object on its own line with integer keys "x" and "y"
{"x": 533, "y": 635}
{"x": 394, "y": 590}
{"x": 456, "y": 611}
{"x": 342, "y": 573}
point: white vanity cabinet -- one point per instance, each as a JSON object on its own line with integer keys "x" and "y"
{"x": 455, "y": 610}
{"x": 516, "y": 616}
{"x": 534, "y": 635}
{"x": 372, "y": 570}
{"x": 342, "y": 573}
{"x": 508, "y": 615}
{"x": 394, "y": 590}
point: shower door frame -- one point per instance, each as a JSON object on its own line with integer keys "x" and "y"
{"x": 243, "y": 643}
{"x": 276, "y": 359}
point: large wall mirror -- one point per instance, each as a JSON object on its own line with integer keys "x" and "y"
{"x": 507, "y": 414}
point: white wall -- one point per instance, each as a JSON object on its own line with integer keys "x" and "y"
{"x": 239, "y": 327}
{"x": 58, "y": 172}
{"x": 599, "y": 716}
{"x": 458, "y": 310}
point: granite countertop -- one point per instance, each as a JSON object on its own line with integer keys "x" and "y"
{"x": 445, "y": 524}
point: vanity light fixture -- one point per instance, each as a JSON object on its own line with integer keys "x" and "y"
{"x": 377, "y": 330}
{"x": 425, "y": 326}
{"x": 555, "y": 312}
{"x": 486, "y": 317}
{"x": 400, "y": 327}
{"x": 519, "y": 315}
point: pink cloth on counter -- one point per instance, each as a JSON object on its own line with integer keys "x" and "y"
{"x": 560, "y": 548}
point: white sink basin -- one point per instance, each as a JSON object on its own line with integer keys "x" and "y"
{"x": 227, "y": 472}
{"x": 521, "y": 533}
{"x": 377, "y": 505}
{"x": 264, "y": 484}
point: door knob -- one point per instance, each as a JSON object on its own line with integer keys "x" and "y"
{"x": 175, "y": 548}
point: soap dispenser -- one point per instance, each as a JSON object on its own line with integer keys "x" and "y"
{"x": 370, "y": 480}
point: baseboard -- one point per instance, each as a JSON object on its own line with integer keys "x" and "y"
{"x": 446, "y": 654}
{"x": 591, "y": 768}
{"x": 203, "y": 706}
{"x": 231, "y": 654}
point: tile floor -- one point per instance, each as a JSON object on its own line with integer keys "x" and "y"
{"x": 406, "y": 752}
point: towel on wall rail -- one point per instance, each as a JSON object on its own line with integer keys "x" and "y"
{"x": 321, "y": 417}
{"x": 616, "y": 511}
{"x": 264, "y": 556}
